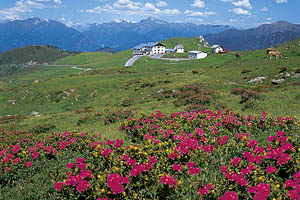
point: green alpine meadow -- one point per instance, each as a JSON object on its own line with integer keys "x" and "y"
{"x": 81, "y": 125}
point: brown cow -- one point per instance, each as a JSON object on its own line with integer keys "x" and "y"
{"x": 277, "y": 54}
{"x": 269, "y": 49}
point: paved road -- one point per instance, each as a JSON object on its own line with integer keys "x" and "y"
{"x": 159, "y": 56}
{"x": 84, "y": 69}
{"x": 132, "y": 60}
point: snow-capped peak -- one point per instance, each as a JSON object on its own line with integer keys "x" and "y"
{"x": 123, "y": 20}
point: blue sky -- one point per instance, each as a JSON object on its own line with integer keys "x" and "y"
{"x": 239, "y": 13}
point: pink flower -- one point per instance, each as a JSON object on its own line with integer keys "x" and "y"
{"x": 6, "y": 169}
{"x": 35, "y": 155}
{"x": 293, "y": 195}
{"x": 131, "y": 162}
{"x": 283, "y": 158}
{"x": 71, "y": 165}
{"x": 190, "y": 164}
{"x": 152, "y": 159}
{"x": 194, "y": 170}
{"x": 28, "y": 164}
{"x": 224, "y": 169}
{"x": 16, "y": 149}
{"x": 271, "y": 170}
{"x": 16, "y": 161}
{"x": 262, "y": 191}
{"x": 58, "y": 186}
{"x": 83, "y": 186}
{"x": 229, "y": 195}
{"x": 177, "y": 167}
{"x": 80, "y": 160}
{"x": 168, "y": 180}
{"x": 106, "y": 152}
{"x": 222, "y": 140}
{"x": 236, "y": 161}
{"x": 3, "y": 152}
{"x": 115, "y": 181}
{"x": 205, "y": 190}
{"x": 297, "y": 177}
{"x": 252, "y": 143}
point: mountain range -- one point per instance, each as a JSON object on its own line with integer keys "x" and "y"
{"x": 121, "y": 34}
{"x": 264, "y": 36}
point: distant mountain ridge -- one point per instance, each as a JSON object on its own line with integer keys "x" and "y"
{"x": 119, "y": 34}
{"x": 36, "y": 31}
{"x": 256, "y": 38}
{"x": 122, "y": 34}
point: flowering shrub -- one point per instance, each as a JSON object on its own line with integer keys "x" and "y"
{"x": 112, "y": 117}
{"x": 186, "y": 155}
{"x": 246, "y": 95}
{"x": 192, "y": 94}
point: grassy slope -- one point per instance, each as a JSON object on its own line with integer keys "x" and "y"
{"x": 190, "y": 44}
{"x": 83, "y": 58}
{"x": 111, "y": 83}
{"x": 40, "y": 54}
{"x": 97, "y": 59}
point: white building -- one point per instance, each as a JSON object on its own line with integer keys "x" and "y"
{"x": 179, "y": 48}
{"x": 150, "y": 49}
{"x": 217, "y": 49}
{"x": 158, "y": 49}
{"x": 197, "y": 55}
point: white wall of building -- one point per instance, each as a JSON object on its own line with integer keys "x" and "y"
{"x": 197, "y": 55}
{"x": 158, "y": 50}
{"x": 218, "y": 50}
{"x": 179, "y": 50}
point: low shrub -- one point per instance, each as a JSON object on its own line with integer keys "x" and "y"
{"x": 117, "y": 115}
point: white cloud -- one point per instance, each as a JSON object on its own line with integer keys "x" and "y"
{"x": 281, "y": 1}
{"x": 26, "y": 6}
{"x": 191, "y": 13}
{"x": 127, "y": 4}
{"x": 243, "y": 3}
{"x": 128, "y": 7}
{"x": 268, "y": 18}
{"x": 264, "y": 9}
{"x": 198, "y": 4}
{"x": 150, "y": 6}
{"x": 57, "y": 1}
{"x": 169, "y": 12}
{"x": 240, "y": 11}
{"x": 161, "y": 4}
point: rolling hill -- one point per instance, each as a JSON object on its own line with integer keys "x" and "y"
{"x": 36, "y": 54}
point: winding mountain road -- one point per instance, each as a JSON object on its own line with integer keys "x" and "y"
{"x": 132, "y": 60}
